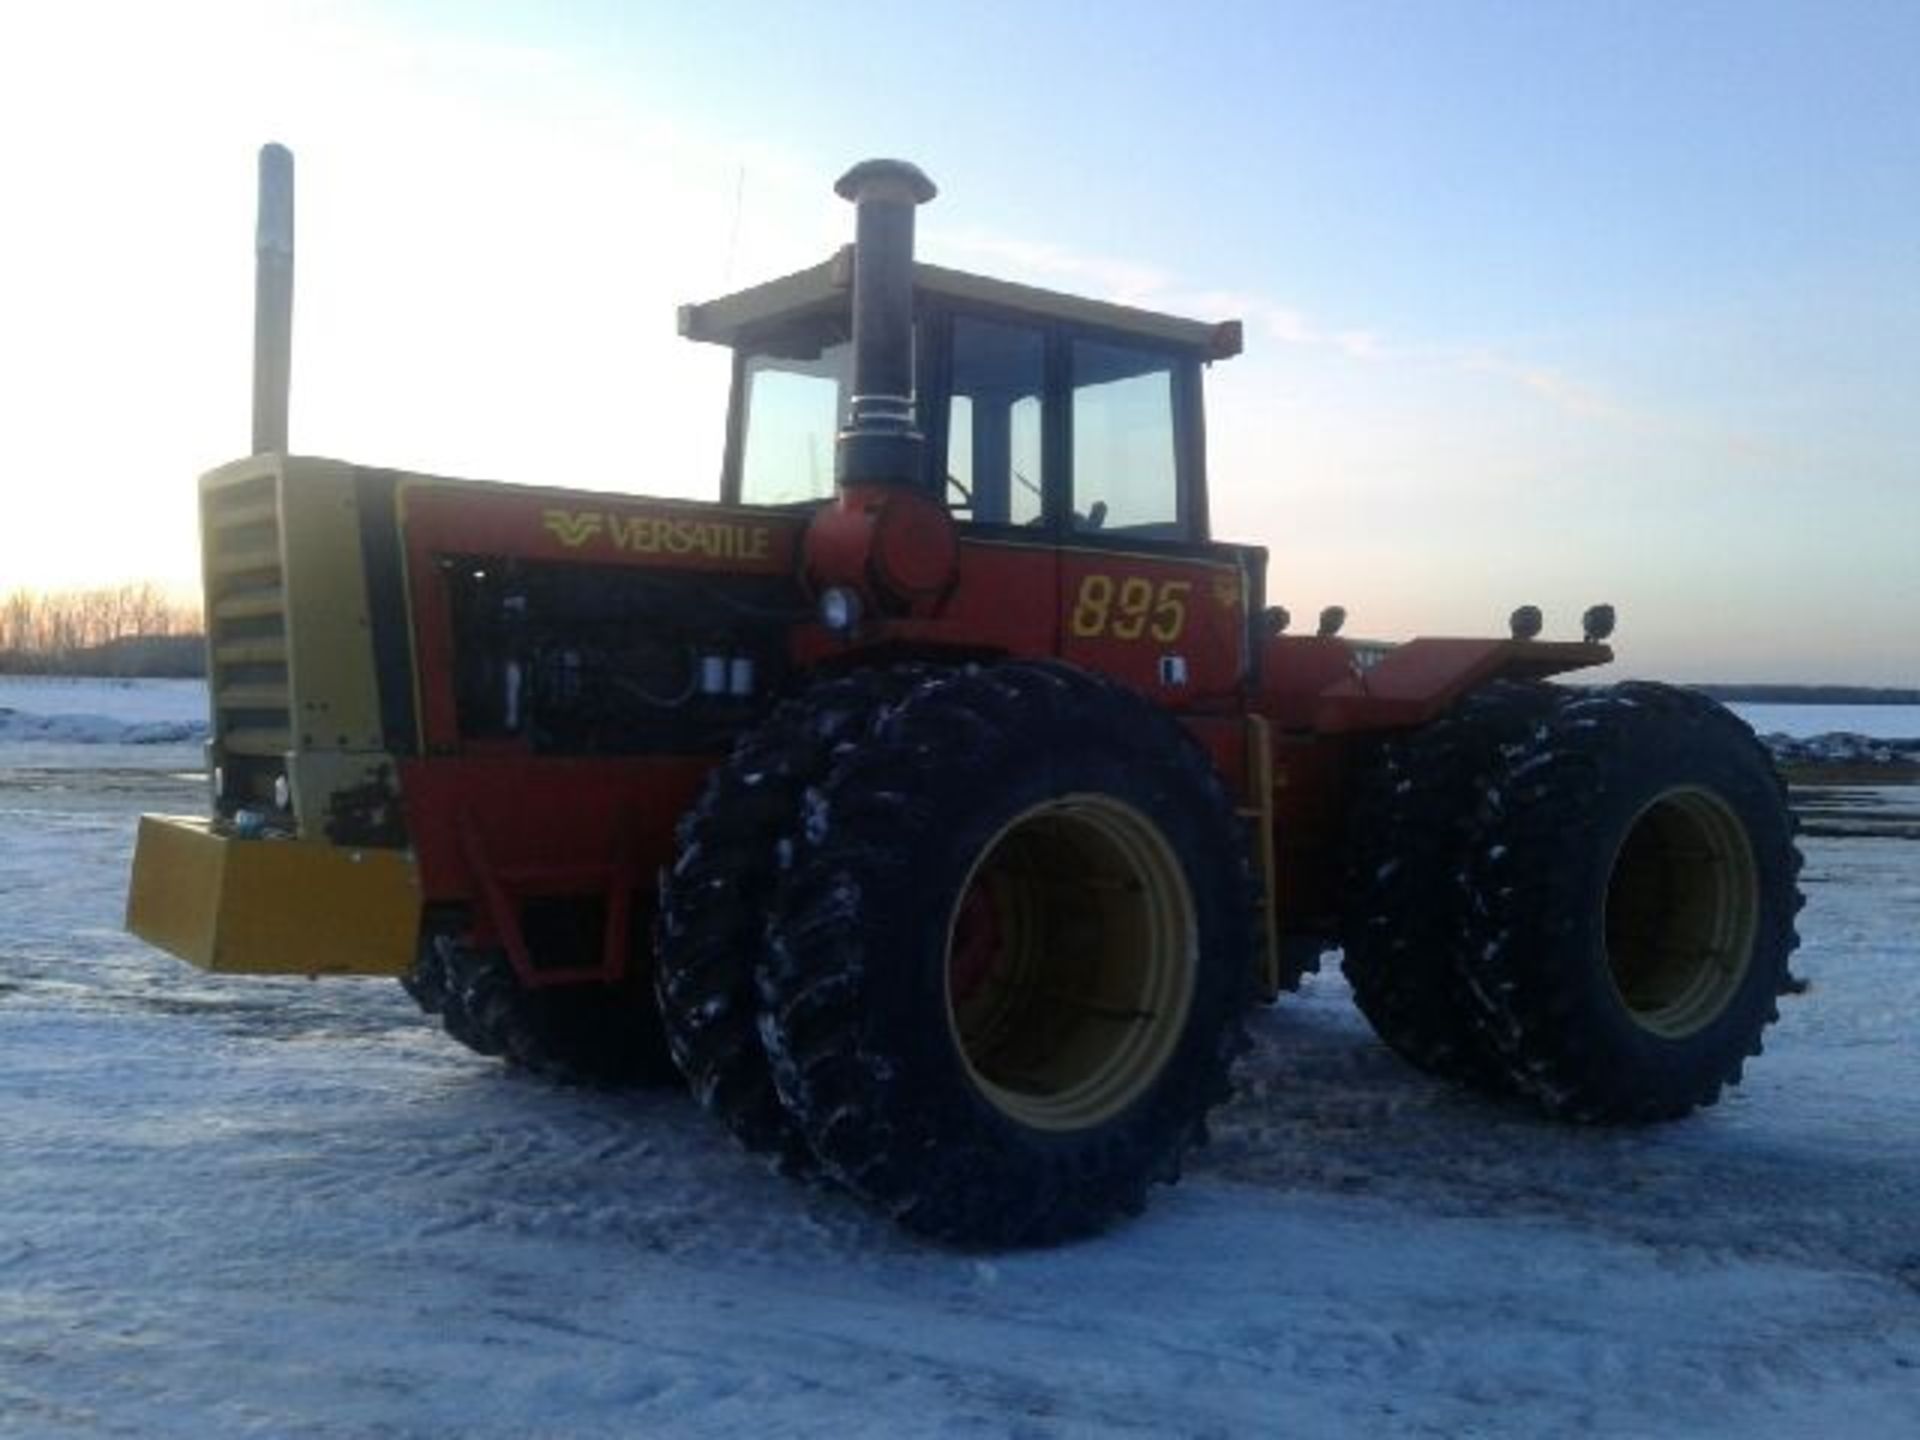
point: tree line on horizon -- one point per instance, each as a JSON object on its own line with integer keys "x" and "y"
{"x": 138, "y": 628}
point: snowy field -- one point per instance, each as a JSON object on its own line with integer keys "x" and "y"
{"x": 63, "y": 707}
{"x": 250, "y": 1208}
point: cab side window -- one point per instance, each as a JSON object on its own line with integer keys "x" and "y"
{"x": 994, "y": 422}
{"x": 1126, "y": 471}
{"x": 793, "y": 412}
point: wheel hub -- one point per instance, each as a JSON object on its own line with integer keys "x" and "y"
{"x": 1071, "y": 961}
{"x": 1682, "y": 912}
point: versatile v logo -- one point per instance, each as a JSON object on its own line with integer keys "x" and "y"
{"x": 572, "y": 528}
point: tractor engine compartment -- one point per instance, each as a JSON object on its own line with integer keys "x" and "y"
{"x": 604, "y": 660}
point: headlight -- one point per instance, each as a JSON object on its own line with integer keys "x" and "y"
{"x": 839, "y": 608}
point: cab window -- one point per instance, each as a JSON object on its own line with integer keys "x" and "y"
{"x": 998, "y": 378}
{"x": 1126, "y": 470}
{"x": 793, "y": 411}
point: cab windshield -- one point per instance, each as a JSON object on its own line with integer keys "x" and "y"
{"x": 793, "y": 407}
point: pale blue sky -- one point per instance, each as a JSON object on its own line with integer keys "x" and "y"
{"x": 1549, "y": 302}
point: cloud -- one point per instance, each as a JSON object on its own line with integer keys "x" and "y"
{"x": 1130, "y": 282}
{"x": 1125, "y": 282}
{"x": 1574, "y": 396}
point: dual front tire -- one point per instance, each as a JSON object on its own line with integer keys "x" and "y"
{"x": 1006, "y": 948}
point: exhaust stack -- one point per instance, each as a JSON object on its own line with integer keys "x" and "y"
{"x": 273, "y": 300}
{"x": 881, "y": 442}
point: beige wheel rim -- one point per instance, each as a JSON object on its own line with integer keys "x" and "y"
{"x": 1072, "y": 953}
{"x": 1682, "y": 911}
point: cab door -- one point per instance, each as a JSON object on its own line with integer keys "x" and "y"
{"x": 1143, "y": 596}
{"x": 998, "y": 469}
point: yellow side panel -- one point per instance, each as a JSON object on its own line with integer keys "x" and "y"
{"x": 271, "y": 907}
{"x": 336, "y": 700}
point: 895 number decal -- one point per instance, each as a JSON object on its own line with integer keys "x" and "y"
{"x": 1127, "y": 609}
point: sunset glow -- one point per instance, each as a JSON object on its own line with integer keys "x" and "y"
{"x": 1550, "y": 307}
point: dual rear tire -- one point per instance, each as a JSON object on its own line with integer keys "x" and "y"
{"x": 1584, "y": 898}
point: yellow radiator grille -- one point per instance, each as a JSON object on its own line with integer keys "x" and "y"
{"x": 247, "y": 617}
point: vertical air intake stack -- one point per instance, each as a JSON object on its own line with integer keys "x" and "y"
{"x": 273, "y": 300}
{"x": 886, "y": 542}
{"x": 881, "y": 443}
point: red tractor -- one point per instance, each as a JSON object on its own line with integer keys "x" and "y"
{"x": 938, "y": 801}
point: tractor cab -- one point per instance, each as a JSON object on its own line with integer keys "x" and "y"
{"x": 1044, "y": 415}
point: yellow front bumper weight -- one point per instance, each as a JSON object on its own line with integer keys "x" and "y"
{"x": 271, "y": 907}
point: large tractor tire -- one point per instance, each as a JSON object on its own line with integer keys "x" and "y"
{"x": 1405, "y": 913}
{"x": 1006, "y": 972}
{"x": 1632, "y": 904}
{"x": 714, "y": 900}
{"x": 599, "y": 1035}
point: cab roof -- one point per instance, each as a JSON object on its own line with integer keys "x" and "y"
{"x": 744, "y": 317}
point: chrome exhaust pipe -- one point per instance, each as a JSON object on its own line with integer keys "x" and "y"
{"x": 273, "y": 300}
{"x": 881, "y": 441}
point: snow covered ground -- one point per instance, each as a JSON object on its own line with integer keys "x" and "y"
{"x": 234, "y": 1207}
{"x": 83, "y": 711}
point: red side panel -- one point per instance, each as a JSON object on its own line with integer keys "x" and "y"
{"x": 548, "y": 826}
{"x": 1323, "y": 701}
{"x": 1295, "y": 670}
{"x": 1414, "y": 682}
{"x": 1172, "y": 627}
{"x": 495, "y": 832}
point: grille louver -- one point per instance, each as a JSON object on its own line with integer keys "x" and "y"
{"x": 247, "y": 619}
